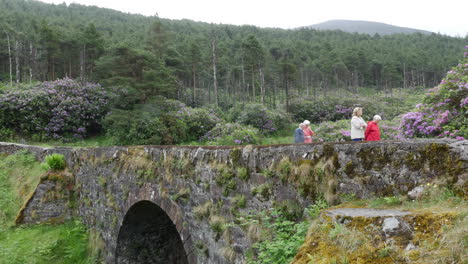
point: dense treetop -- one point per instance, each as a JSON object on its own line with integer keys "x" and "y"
{"x": 201, "y": 63}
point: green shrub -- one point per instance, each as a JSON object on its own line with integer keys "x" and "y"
{"x": 198, "y": 120}
{"x": 258, "y": 116}
{"x": 55, "y": 161}
{"x": 313, "y": 211}
{"x": 144, "y": 128}
{"x": 231, "y": 134}
{"x": 285, "y": 237}
{"x": 159, "y": 121}
{"x": 174, "y": 131}
{"x": 6, "y": 134}
{"x": 290, "y": 209}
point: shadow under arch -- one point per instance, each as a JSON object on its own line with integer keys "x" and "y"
{"x": 148, "y": 235}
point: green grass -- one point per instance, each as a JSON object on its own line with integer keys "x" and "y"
{"x": 19, "y": 176}
{"x": 63, "y": 243}
{"x": 278, "y": 140}
{"x": 91, "y": 142}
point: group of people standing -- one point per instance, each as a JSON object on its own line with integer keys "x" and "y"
{"x": 360, "y": 130}
{"x": 303, "y": 133}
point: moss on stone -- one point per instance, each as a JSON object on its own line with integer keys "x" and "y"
{"x": 268, "y": 173}
{"x": 147, "y": 175}
{"x": 224, "y": 174}
{"x": 228, "y": 254}
{"x": 239, "y": 201}
{"x": 102, "y": 181}
{"x": 243, "y": 173}
{"x": 291, "y": 209}
{"x": 203, "y": 211}
{"x": 182, "y": 195}
{"x": 202, "y": 249}
{"x": 217, "y": 225}
{"x": 231, "y": 185}
{"x": 349, "y": 169}
{"x": 284, "y": 168}
{"x": 328, "y": 150}
{"x": 264, "y": 190}
{"x": 236, "y": 156}
{"x": 111, "y": 201}
{"x": 361, "y": 240}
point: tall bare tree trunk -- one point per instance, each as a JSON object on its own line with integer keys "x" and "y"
{"x": 262, "y": 86}
{"x": 65, "y": 67}
{"x": 9, "y": 57}
{"x": 30, "y": 61}
{"x": 243, "y": 77}
{"x": 17, "y": 62}
{"x": 286, "y": 88}
{"x": 70, "y": 65}
{"x": 215, "y": 81}
{"x": 194, "y": 76}
{"x": 53, "y": 69}
{"x": 404, "y": 75}
{"x": 82, "y": 63}
{"x": 274, "y": 92}
{"x": 423, "y": 79}
{"x": 253, "y": 84}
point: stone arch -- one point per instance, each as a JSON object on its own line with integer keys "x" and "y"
{"x": 148, "y": 235}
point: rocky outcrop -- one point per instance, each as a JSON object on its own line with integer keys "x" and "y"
{"x": 362, "y": 235}
{"x": 203, "y": 190}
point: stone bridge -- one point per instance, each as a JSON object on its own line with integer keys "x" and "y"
{"x": 185, "y": 204}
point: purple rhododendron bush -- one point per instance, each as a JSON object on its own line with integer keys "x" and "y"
{"x": 62, "y": 109}
{"x": 444, "y": 110}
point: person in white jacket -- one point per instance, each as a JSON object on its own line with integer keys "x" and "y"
{"x": 358, "y": 125}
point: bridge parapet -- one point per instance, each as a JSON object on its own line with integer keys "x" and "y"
{"x": 203, "y": 190}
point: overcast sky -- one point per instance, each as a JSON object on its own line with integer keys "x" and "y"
{"x": 443, "y": 16}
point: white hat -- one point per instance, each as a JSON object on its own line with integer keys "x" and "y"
{"x": 306, "y": 122}
{"x": 377, "y": 117}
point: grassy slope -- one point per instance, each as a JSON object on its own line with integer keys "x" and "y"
{"x": 65, "y": 243}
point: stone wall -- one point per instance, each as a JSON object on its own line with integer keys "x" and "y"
{"x": 203, "y": 190}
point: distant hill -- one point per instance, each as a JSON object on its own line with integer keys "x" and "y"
{"x": 366, "y": 27}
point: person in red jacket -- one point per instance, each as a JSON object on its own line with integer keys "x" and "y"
{"x": 372, "y": 131}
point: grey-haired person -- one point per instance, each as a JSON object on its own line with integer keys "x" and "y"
{"x": 299, "y": 134}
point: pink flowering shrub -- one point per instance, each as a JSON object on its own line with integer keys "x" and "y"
{"x": 444, "y": 110}
{"x": 59, "y": 109}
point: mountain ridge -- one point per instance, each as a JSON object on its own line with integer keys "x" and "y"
{"x": 365, "y": 27}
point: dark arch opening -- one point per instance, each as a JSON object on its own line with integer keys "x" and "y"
{"x": 147, "y": 235}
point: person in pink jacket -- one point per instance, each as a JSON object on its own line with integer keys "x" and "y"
{"x": 308, "y": 133}
{"x": 372, "y": 131}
